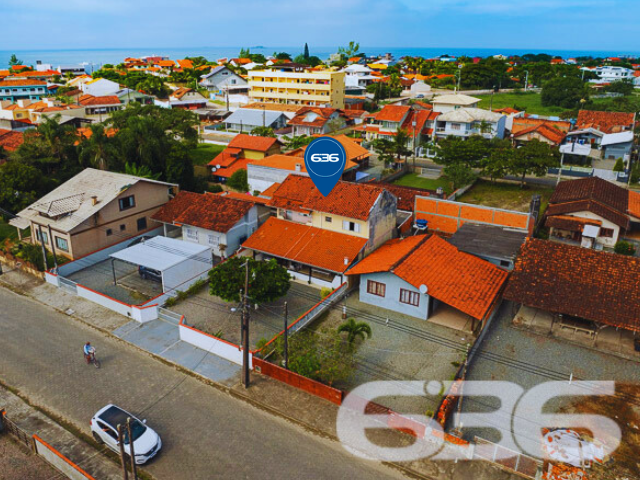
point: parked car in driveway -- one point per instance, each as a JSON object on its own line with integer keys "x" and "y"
{"x": 104, "y": 428}
{"x": 150, "y": 274}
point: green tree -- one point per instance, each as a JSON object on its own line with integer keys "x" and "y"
{"x": 470, "y": 152}
{"x": 385, "y": 150}
{"x": 282, "y": 56}
{"x": 400, "y": 142}
{"x": 14, "y": 60}
{"x": 619, "y": 166}
{"x": 496, "y": 163}
{"x": 624, "y": 248}
{"x": 291, "y": 143}
{"x": 98, "y": 149}
{"x": 268, "y": 281}
{"x": 355, "y": 330}
{"x": 350, "y": 50}
{"x": 306, "y": 51}
{"x": 459, "y": 174}
{"x": 238, "y": 180}
{"x": 565, "y": 92}
{"x": 263, "y": 132}
{"x": 141, "y": 171}
{"x": 534, "y": 158}
{"x": 20, "y": 185}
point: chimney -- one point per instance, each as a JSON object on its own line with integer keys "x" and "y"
{"x": 94, "y": 200}
{"x": 298, "y": 167}
{"x": 346, "y": 260}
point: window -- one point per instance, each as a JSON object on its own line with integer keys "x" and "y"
{"x": 123, "y": 227}
{"x": 409, "y": 297}
{"x": 109, "y": 232}
{"x": 213, "y": 240}
{"x": 127, "y": 203}
{"x": 62, "y": 244}
{"x": 327, "y": 219}
{"x": 142, "y": 223}
{"x": 108, "y": 430}
{"x": 351, "y": 226}
{"x": 376, "y": 288}
{"x": 455, "y": 126}
{"x": 191, "y": 233}
{"x": 606, "y": 232}
{"x": 45, "y": 237}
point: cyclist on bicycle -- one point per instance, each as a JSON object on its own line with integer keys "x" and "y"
{"x": 89, "y": 352}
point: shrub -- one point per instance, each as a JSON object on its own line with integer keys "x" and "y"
{"x": 214, "y": 188}
{"x": 619, "y": 166}
{"x": 624, "y": 248}
{"x": 325, "y": 292}
{"x": 171, "y": 301}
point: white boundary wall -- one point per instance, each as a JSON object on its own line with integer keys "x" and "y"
{"x": 214, "y": 345}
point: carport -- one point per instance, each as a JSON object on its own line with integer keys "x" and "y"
{"x": 179, "y": 263}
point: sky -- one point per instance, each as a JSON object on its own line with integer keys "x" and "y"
{"x": 534, "y": 24}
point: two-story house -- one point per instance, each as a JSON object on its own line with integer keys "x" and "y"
{"x": 93, "y": 210}
{"x": 464, "y": 122}
{"x": 363, "y": 210}
{"x": 447, "y": 103}
{"x": 419, "y": 123}
{"x": 185, "y": 98}
{"x": 221, "y": 79}
{"x": 222, "y": 223}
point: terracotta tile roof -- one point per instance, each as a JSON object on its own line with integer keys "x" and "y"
{"x": 211, "y": 212}
{"x": 634, "y": 204}
{"x": 572, "y": 224}
{"x": 226, "y": 158}
{"x": 592, "y": 188}
{"x": 606, "y": 122}
{"x": 226, "y": 172}
{"x": 87, "y": 100}
{"x": 185, "y": 63}
{"x": 245, "y": 197}
{"x": 308, "y": 245}
{"x": 560, "y": 278}
{"x": 353, "y": 113}
{"x": 278, "y": 107}
{"x": 355, "y": 151}
{"x": 592, "y": 206}
{"x": 181, "y": 92}
{"x": 392, "y": 113}
{"x": 406, "y": 195}
{"x": 253, "y": 142}
{"x": 323, "y": 116}
{"x": 269, "y": 191}
{"x": 461, "y": 280}
{"x": 554, "y": 135}
{"x": 520, "y": 124}
{"x": 166, "y": 63}
{"x": 351, "y": 200}
{"x": 506, "y": 111}
{"x": 22, "y": 83}
{"x": 290, "y": 162}
{"x": 10, "y": 140}
{"x": 423, "y": 105}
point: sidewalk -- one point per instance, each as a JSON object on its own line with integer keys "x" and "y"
{"x": 160, "y": 339}
{"x": 33, "y": 421}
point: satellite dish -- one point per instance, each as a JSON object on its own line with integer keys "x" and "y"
{"x": 423, "y": 288}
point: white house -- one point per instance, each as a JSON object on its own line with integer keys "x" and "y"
{"x": 447, "y": 103}
{"x": 608, "y": 74}
{"x": 99, "y": 87}
{"x": 465, "y": 122}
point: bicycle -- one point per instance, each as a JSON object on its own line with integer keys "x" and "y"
{"x": 94, "y": 360}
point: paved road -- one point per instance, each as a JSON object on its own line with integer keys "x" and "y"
{"x": 206, "y": 433}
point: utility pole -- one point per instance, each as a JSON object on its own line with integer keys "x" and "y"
{"x": 458, "y": 428}
{"x": 413, "y": 145}
{"x": 132, "y": 453}
{"x": 286, "y": 336}
{"x": 526, "y": 81}
{"x": 560, "y": 169}
{"x": 53, "y": 249}
{"x": 125, "y": 473}
{"x": 245, "y": 328}
{"x": 44, "y": 249}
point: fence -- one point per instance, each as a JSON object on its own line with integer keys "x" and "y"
{"x": 311, "y": 314}
{"x": 211, "y": 344}
{"x": 43, "y": 449}
{"x": 506, "y": 459}
{"x": 298, "y": 381}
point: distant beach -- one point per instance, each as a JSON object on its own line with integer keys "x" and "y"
{"x": 98, "y": 57}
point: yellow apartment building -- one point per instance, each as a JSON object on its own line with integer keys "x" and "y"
{"x": 315, "y": 88}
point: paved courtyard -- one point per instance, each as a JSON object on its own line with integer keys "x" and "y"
{"x": 402, "y": 347}
{"x": 130, "y": 287}
{"x": 217, "y": 317}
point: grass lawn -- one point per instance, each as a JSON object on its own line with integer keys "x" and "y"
{"x": 413, "y": 180}
{"x": 530, "y": 101}
{"x": 205, "y": 152}
{"x": 7, "y": 231}
{"x": 506, "y": 195}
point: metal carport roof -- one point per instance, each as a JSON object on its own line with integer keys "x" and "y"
{"x": 162, "y": 253}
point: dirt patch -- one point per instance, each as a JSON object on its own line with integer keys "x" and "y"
{"x": 505, "y": 195}
{"x": 624, "y": 409}
{"x": 17, "y": 462}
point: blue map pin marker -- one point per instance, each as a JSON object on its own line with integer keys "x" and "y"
{"x": 325, "y": 159}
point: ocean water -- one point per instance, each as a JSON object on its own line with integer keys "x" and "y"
{"x": 98, "y": 57}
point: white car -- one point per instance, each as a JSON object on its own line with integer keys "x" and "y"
{"x": 104, "y": 427}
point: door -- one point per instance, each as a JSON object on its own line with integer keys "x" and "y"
{"x": 109, "y": 436}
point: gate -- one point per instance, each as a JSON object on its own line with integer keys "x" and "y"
{"x": 507, "y": 459}
{"x": 169, "y": 316}
{"x": 68, "y": 286}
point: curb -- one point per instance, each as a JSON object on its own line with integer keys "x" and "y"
{"x": 224, "y": 388}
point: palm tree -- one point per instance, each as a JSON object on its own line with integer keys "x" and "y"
{"x": 98, "y": 149}
{"x": 141, "y": 171}
{"x": 355, "y": 329}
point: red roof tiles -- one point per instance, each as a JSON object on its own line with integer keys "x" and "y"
{"x": 392, "y": 113}
{"x": 308, "y": 245}
{"x": 569, "y": 280}
{"x": 606, "y": 122}
{"x": 211, "y": 212}
{"x": 550, "y": 133}
{"x": 10, "y": 140}
{"x": 461, "y": 280}
{"x": 22, "y": 83}
{"x": 351, "y": 200}
{"x": 253, "y": 142}
{"x": 88, "y": 100}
